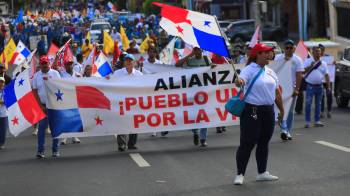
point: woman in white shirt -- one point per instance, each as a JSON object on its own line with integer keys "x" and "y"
{"x": 257, "y": 121}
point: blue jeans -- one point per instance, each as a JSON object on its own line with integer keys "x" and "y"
{"x": 202, "y": 134}
{"x": 43, "y": 125}
{"x": 4, "y": 126}
{"x": 290, "y": 117}
{"x": 312, "y": 91}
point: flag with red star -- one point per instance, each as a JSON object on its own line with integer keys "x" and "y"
{"x": 23, "y": 109}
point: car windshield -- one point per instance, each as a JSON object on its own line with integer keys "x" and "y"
{"x": 100, "y": 27}
{"x": 224, "y": 24}
{"x": 347, "y": 54}
{"x": 244, "y": 26}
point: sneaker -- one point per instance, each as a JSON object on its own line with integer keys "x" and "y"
{"x": 204, "y": 143}
{"x": 64, "y": 141}
{"x": 322, "y": 115}
{"x": 284, "y": 136}
{"x": 2, "y": 147}
{"x": 132, "y": 147}
{"x": 319, "y": 124}
{"x": 307, "y": 125}
{"x": 164, "y": 133}
{"x": 76, "y": 140}
{"x": 223, "y": 129}
{"x": 48, "y": 131}
{"x": 238, "y": 180}
{"x": 121, "y": 148}
{"x": 55, "y": 154}
{"x": 329, "y": 115}
{"x": 40, "y": 155}
{"x": 195, "y": 139}
{"x": 289, "y": 137}
{"x": 154, "y": 134}
{"x": 218, "y": 130}
{"x": 35, "y": 132}
{"x": 266, "y": 176}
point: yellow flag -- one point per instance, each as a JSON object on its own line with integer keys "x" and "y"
{"x": 145, "y": 45}
{"x": 7, "y": 54}
{"x": 88, "y": 36}
{"x": 108, "y": 43}
{"x": 125, "y": 39}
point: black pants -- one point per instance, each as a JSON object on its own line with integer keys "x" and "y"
{"x": 121, "y": 139}
{"x": 300, "y": 102}
{"x": 329, "y": 97}
{"x": 257, "y": 126}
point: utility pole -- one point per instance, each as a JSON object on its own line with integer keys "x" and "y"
{"x": 255, "y": 11}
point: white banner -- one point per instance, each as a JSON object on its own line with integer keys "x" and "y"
{"x": 177, "y": 99}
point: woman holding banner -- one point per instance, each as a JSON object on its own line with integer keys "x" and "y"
{"x": 257, "y": 121}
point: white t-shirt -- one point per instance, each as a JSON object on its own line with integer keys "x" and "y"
{"x": 123, "y": 72}
{"x": 146, "y": 62}
{"x": 297, "y": 64}
{"x": 316, "y": 76}
{"x": 38, "y": 83}
{"x": 65, "y": 74}
{"x": 263, "y": 91}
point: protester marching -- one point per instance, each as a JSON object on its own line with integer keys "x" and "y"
{"x": 73, "y": 74}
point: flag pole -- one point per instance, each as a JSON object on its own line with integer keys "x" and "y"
{"x": 225, "y": 37}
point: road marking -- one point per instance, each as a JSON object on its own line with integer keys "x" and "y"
{"x": 140, "y": 161}
{"x": 335, "y": 146}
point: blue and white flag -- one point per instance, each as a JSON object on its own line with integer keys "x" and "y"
{"x": 101, "y": 67}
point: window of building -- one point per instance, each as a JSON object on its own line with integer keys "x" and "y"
{"x": 343, "y": 25}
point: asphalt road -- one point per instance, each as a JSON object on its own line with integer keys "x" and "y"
{"x": 172, "y": 165}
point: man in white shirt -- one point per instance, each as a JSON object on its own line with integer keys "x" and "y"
{"x": 3, "y": 115}
{"x": 39, "y": 90}
{"x": 116, "y": 35}
{"x": 69, "y": 72}
{"x": 127, "y": 71}
{"x": 315, "y": 71}
{"x": 328, "y": 94}
{"x": 297, "y": 70}
{"x": 152, "y": 54}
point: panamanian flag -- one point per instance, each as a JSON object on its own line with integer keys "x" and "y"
{"x": 23, "y": 109}
{"x": 197, "y": 29}
{"x": 101, "y": 67}
{"x": 73, "y": 108}
{"x": 20, "y": 55}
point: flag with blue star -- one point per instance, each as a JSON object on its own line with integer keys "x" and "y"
{"x": 59, "y": 95}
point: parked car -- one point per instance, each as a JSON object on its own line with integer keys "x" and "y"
{"x": 242, "y": 31}
{"x": 97, "y": 27}
{"x": 342, "y": 80}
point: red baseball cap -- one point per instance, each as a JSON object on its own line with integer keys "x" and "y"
{"x": 44, "y": 59}
{"x": 259, "y": 48}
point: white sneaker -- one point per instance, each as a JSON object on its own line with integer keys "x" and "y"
{"x": 35, "y": 131}
{"x": 154, "y": 134}
{"x": 76, "y": 140}
{"x": 64, "y": 141}
{"x": 239, "y": 180}
{"x": 266, "y": 176}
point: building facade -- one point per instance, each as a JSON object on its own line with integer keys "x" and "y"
{"x": 339, "y": 14}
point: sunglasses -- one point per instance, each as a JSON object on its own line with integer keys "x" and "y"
{"x": 289, "y": 48}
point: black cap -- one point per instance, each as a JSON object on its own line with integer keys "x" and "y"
{"x": 289, "y": 42}
{"x": 321, "y": 46}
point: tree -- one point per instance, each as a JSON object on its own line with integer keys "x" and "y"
{"x": 148, "y": 8}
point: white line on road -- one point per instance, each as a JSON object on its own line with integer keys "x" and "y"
{"x": 335, "y": 146}
{"x": 140, "y": 161}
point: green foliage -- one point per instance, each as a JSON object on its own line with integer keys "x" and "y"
{"x": 148, "y": 8}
